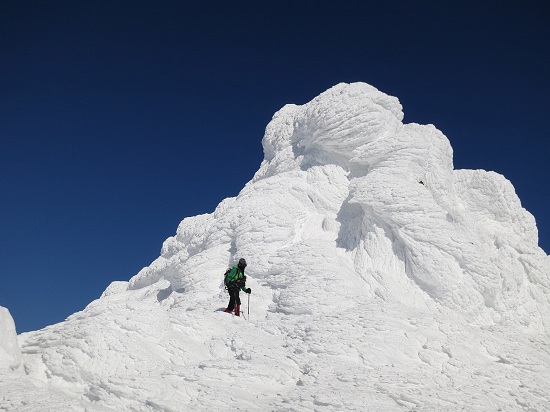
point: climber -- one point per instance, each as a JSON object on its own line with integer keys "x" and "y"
{"x": 235, "y": 281}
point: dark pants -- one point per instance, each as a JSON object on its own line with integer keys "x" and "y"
{"x": 234, "y": 298}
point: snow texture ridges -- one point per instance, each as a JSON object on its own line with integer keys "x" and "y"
{"x": 382, "y": 279}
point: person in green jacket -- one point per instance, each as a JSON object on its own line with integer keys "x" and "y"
{"x": 235, "y": 281}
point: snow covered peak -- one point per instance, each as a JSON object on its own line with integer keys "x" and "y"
{"x": 382, "y": 279}
{"x": 334, "y": 128}
{"x": 378, "y": 197}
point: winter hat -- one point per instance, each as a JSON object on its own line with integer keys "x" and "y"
{"x": 242, "y": 263}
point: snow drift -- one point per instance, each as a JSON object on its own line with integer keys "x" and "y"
{"x": 382, "y": 279}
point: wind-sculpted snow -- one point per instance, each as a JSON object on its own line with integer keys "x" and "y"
{"x": 382, "y": 279}
{"x": 10, "y": 355}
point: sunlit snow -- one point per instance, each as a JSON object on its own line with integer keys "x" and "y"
{"x": 382, "y": 280}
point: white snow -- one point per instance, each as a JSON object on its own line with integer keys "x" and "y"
{"x": 10, "y": 355}
{"x": 382, "y": 280}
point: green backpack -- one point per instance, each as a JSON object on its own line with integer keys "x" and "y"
{"x": 233, "y": 283}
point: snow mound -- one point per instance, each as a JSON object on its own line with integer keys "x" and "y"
{"x": 10, "y": 355}
{"x": 382, "y": 279}
{"x": 377, "y": 196}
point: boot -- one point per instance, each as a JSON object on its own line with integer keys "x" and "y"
{"x": 227, "y": 310}
{"x": 237, "y": 310}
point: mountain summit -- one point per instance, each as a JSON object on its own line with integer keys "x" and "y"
{"x": 382, "y": 279}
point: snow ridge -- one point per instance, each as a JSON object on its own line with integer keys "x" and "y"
{"x": 382, "y": 279}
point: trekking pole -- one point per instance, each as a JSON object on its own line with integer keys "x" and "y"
{"x": 248, "y": 308}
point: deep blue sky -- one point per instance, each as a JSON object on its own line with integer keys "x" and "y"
{"x": 120, "y": 118}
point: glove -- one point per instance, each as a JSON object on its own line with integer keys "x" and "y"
{"x": 248, "y": 291}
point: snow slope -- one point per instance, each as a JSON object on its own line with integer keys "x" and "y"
{"x": 382, "y": 280}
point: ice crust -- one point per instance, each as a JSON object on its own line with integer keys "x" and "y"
{"x": 382, "y": 279}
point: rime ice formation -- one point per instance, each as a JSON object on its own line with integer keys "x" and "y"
{"x": 382, "y": 279}
{"x": 10, "y": 355}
